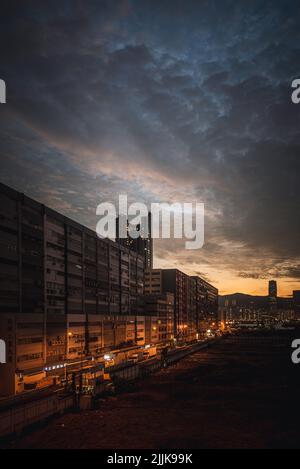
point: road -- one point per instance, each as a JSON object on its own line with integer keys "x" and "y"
{"x": 232, "y": 395}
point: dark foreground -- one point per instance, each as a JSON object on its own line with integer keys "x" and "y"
{"x": 237, "y": 394}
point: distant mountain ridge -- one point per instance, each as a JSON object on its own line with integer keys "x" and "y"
{"x": 245, "y": 299}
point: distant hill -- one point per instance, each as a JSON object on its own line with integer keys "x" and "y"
{"x": 243, "y": 299}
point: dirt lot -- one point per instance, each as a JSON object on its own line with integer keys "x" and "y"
{"x": 234, "y": 395}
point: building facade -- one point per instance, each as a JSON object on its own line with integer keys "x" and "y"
{"x": 195, "y": 300}
{"x": 272, "y": 295}
{"x": 296, "y": 303}
{"x": 206, "y": 305}
{"x": 161, "y": 306}
{"x": 65, "y": 295}
{"x": 142, "y": 245}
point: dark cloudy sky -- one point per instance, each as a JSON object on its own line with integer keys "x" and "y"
{"x": 165, "y": 101}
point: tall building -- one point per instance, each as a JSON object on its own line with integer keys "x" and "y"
{"x": 272, "y": 289}
{"x": 176, "y": 282}
{"x": 161, "y": 306}
{"x": 65, "y": 295}
{"x": 272, "y": 295}
{"x": 195, "y": 300}
{"x": 206, "y": 304}
{"x": 154, "y": 282}
{"x": 296, "y": 303}
{"x": 143, "y": 245}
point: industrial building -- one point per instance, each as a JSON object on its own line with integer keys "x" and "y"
{"x": 195, "y": 300}
{"x": 65, "y": 295}
{"x": 161, "y": 306}
{"x": 68, "y": 297}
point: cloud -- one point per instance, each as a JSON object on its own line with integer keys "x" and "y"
{"x": 172, "y": 102}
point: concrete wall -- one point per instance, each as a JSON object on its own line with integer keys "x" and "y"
{"x": 16, "y": 419}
